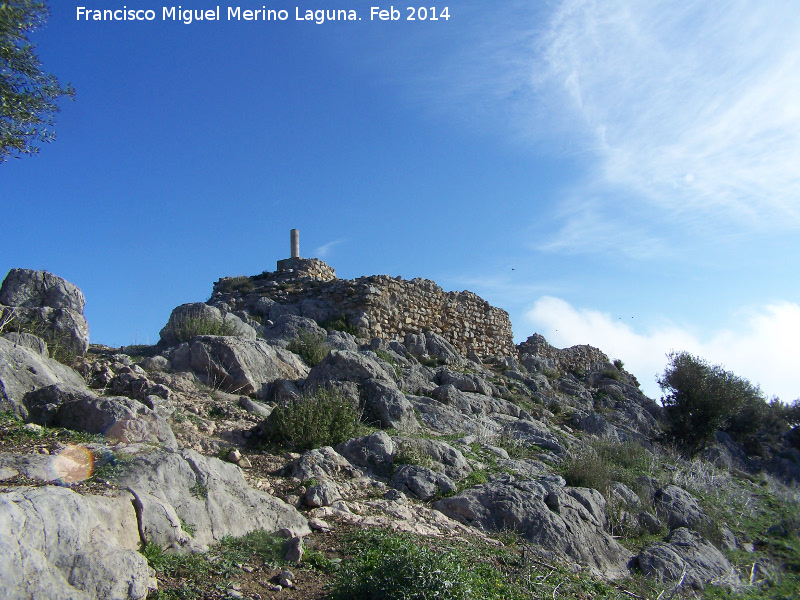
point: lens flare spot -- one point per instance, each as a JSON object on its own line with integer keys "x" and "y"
{"x": 73, "y": 464}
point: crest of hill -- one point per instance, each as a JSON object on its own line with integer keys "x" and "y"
{"x": 374, "y": 306}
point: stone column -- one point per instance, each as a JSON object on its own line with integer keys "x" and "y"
{"x": 295, "y": 238}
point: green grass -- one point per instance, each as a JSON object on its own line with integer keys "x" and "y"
{"x": 196, "y": 573}
{"x": 340, "y": 323}
{"x": 401, "y": 566}
{"x": 14, "y": 430}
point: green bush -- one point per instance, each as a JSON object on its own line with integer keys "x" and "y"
{"x": 191, "y": 325}
{"x": 325, "y": 418}
{"x": 701, "y": 398}
{"x": 310, "y": 346}
{"x": 340, "y": 323}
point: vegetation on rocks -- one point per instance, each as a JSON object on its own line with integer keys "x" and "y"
{"x": 310, "y": 346}
{"x": 322, "y": 418}
{"x": 191, "y": 325}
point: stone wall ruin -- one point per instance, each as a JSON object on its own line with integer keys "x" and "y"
{"x": 376, "y": 306}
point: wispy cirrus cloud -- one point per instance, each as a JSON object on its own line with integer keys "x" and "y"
{"x": 688, "y": 103}
{"x": 759, "y": 346}
{"x": 325, "y": 250}
{"x": 685, "y": 108}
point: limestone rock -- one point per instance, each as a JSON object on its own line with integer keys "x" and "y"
{"x": 49, "y": 304}
{"x": 33, "y": 289}
{"x": 241, "y": 366}
{"x": 373, "y": 451}
{"x": 466, "y": 382}
{"x": 28, "y": 340}
{"x": 387, "y": 406}
{"x": 445, "y": 458}
{"x": 687, "y": 551}
{"x": 23, "y": 370}
{"x": 205, "y": 492}
{"x": 346, "y": 365}
{"x": 209, "y": 315}
{"x": 288, "y": 327}
{"x": 120, "y": 419}
{"x": 57, "y": 544}
{"x": 422, "y": 482}
{"x": 323, "y": 493}
{"x": 568, "y": 522}
{"x": 535, "y": 432}
{"x": 678, "y": 507}
{"x": 322, "y": 463}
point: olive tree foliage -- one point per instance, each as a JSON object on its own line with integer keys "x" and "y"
{"x": 27, "y": 95}
{"x": 702, "y": 398}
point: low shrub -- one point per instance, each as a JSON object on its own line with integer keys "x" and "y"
{"x": 324, "y": 418}
{"x": 310, "y": 346}
{"x": 340, "y": 323}
{"x": 193, "y": 324}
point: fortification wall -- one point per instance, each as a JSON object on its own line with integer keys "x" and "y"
{"x": 378, "y": 305}
{"x": 570, "y": 359}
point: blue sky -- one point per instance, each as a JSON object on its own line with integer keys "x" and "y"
{"x": 620, "y": 173}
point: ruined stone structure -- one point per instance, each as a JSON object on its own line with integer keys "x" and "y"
{"x": 574, "y": 358}
{"x": 378, "y": 305}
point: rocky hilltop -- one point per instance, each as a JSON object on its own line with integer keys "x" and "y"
{"x": 135, "y": 472}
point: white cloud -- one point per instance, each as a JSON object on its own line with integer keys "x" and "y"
{"x": 325, "y": 250}
{"x": 761, "y": 346}
{"x": 689, "y": 104}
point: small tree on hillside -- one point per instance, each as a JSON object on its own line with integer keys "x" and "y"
{"x": 701, "y": 399}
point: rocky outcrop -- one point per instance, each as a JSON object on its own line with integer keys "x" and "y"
{"x": 48, "y": 306}
{"x": 212, "y": 496}
{"x": 197, "y": 318}
{"x": 567, "y": 522}
{"x": 382, "y": 306}
{"x": 23, "y": 370}
{"x": 237, "y": 365}
{"x": 60, "y": 545}
{"x": 689, "y": 558}
{"x": 121, "y": 420}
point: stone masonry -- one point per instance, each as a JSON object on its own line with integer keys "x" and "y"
{"x": 379, "y": 305}
{"x": 574, "y": 358}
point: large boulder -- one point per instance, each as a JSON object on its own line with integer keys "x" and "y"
{"x": 443, "y": 456}
{"x": 48, "y": 306}
{"x": 60, "y": 545}
{"x": 373, "y": 451}
{"x": 212, "y": 496}
{"x": 422, "y": 482}
{"x": 238, "y": 365}
{"x": 290, "y": 327}
{"x": 678, "y": 507}
{"x": 565, "y": 522}
{"x": 535, "y": 432}
{"x": 33, "y": 289}
{"x": 687, "y": 552}
{"x": 23, "y": 370}
{"x": 198, "y": 318}
{"x": 466, "y": 382}
{"x": 388, "y": 407}
{"x": 347, "y": 365}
